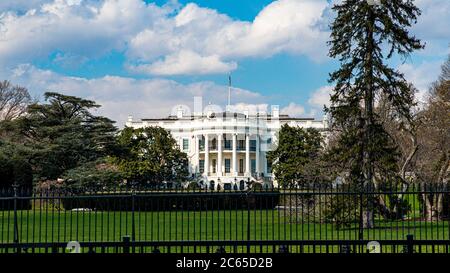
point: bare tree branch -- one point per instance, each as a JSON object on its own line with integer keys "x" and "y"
{"x": 14, "y": 101}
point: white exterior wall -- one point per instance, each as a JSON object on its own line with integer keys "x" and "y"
{"x": 262, "y": 127}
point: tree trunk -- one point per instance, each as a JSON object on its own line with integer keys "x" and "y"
{"x": 368, "y": 219}
{"x": 434, "y": 202}
{"x": 432, "y": 210}
{"x": 428, "y": 208}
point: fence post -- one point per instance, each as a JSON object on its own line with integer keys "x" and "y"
{"x": 361, "y": 221}
{"x": 126, "y": 244}
{"x": 410, "y": 243}
{"x": 16, "y": 226}
{"x": 133, "y": 227}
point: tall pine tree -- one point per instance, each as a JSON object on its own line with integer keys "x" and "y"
{"x": 365, "y": 34}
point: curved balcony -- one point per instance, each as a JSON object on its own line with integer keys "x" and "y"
{"x": 239, "y": 148}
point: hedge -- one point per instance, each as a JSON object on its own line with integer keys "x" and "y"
{"x": 173, "y": 201}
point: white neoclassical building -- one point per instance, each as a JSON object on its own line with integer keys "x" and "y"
{"x": 228, "y": 149}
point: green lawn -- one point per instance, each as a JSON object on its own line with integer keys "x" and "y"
{"x": 44, "y": 223}
{"x": 64, "y": 226}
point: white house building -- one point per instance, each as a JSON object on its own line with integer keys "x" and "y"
{"x": 227, "y": 150}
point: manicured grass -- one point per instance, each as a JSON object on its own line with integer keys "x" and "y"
{"x": 64, "y": 226}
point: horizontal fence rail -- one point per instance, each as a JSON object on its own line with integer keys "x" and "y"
{"x": 314, "y": 218}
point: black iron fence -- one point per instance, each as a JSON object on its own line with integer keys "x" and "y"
{"x": 319, "y": 218}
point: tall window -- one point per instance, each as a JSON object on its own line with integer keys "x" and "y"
{"x": 241, "y": 165}
{"x": 269, "y": 166}
{"x": 227, "y": 165}
{"x": 214, "y": 165}
{"x": 185, "y": 144}
{"x": 201, "y": 167}
{"x": 241, "y": 145}
{"x": 253, "y": 165}
{"x": 201, "y": 144}
{"x": 227, "y": 144}
{"x": 253, "y": 145}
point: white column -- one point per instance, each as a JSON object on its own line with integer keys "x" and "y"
{"x": 219, "y": 154}
{"x": 206, "y": 155}
{"x": 264, "y": 163}
{"x": 248, "y": 171}
{"x": 197, "y": 155}
{"x": 258, "y": 170}
{"x": 234, "y": 160}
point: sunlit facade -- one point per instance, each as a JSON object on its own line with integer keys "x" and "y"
{"x": 228, "y": 149}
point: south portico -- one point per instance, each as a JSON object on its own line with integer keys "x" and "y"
{"x": 230, "y": 160}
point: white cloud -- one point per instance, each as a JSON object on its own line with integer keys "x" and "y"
{"x": 321, "y": 97}
{"x": 292, "y": 26}
{"x": 434, "y": 21}
{"x": 167, "y": 40}
{"x": 120, "y": 96}
{"x": 162, "y": 40}
{"x": 421, "y": 75}
{"x": 433, "y": 26}
{"x": 186, "y": 62}
{"x": 314, "y": 106}
{"x": 78, "y": 28}
{"x": 293, "y": 110}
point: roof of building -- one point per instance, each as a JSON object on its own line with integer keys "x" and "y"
{"x": 227, "y": 114}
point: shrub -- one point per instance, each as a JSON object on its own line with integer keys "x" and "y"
{"x": 257, "y": 187}
{"x": 165, "y": 200}
{"x": 193, "y": 186}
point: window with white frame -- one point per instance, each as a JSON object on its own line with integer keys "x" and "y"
{"x": 227, "y": 165}
{"x": 253, "y": 165}
{"x": 185, "y": 144}
{"x": 201, "y": 167}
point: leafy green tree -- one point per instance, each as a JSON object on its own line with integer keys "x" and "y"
{"x": 296, "y": 149}
{"x": 63, "y": 134}
{"x": 150, "y": 156}
{"x": 363, "y": 37}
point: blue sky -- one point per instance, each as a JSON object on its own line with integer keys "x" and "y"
{"x": 144, "y": 58}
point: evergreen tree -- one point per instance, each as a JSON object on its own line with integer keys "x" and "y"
{"x": 365, "y": 35}
{"x": 62, "y": 134}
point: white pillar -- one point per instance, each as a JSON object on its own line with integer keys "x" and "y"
{"x": 197, "y": 155}
{"x": 264, "y": 163}
{"x": 248, "y": 170}
{"x": 258, "y": 170}
{"x": 206, "y": 155}
{"x": 234, "y": 160}
{"x": 219, "y": 154}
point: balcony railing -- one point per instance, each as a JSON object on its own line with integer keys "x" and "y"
{"x": 214, "y": 148}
